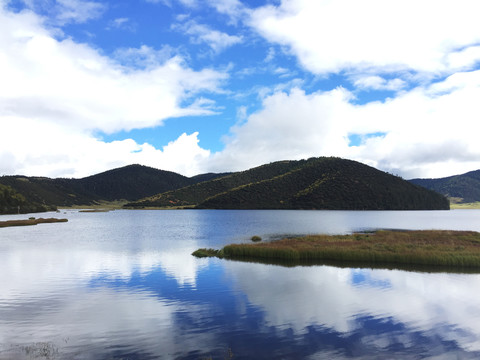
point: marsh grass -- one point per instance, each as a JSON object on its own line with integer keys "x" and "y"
{"x": 30, "y": 222}
{"x": 426, "y": 248}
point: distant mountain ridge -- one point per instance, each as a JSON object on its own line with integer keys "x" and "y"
{"x": 129, "y": 183}
{"x": 316, "y": 183}
{"x": 464, "y": 188}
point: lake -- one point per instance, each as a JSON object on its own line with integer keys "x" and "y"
{"x": 123, "y": 285}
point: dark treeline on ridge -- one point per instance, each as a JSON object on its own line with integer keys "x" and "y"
{"x": 129, "y": 183}
{"x": 316, "y": 183}
{"x": 463, "y": 188}
{"x": 11, "y": 202}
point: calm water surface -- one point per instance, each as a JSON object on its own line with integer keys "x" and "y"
{"x": 123, "y": 285}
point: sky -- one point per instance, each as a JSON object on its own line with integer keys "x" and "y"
{"x": 196, "y": 86}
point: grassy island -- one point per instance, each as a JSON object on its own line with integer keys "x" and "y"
{"x": 426, "y": 247}
{"x": 28, "y": 222}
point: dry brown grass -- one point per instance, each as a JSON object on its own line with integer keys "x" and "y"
{"x": 30, "y": 222}
{"x": 429, "y": 247}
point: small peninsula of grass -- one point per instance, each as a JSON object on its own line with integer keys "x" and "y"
{"x": 31, "y": 221}
{"x": 426, "y": 247}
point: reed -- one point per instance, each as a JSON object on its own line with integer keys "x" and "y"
{"x": 430, "y": 247}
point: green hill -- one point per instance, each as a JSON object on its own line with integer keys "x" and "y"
{"x": 127, "y": 183}
{"x": 464, "y": 188}
{"x": 197, "y": 193}
{"x": 317, "y": 183}
{"x": 130, "y": 183}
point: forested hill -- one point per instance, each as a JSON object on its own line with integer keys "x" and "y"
{"x": 11, "y": 202}
{"x": 317, "y": 183}
{"x": 131, "y": 182}
{"x": 463, "y": 188}
{"x": 127, "y": 183}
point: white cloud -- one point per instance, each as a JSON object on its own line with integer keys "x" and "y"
{"x": 333, "y": 36}
{"x": 61, "y": 12}
{"x": 199, "y": 33}
{"x": 55, "y": 94}
{"x": 59, "y": 151}
{"x": 62, "y": 81}
{"x": 270, "y": 55}
{"x": 465, "y": 58}
{"x": 78, "y": 11}
{"x": 234, "y": 9}
{"x": 290, "y": 126}
{"x": 144, "y": 57}
{"x": 121, "y": 23}
{"x": 375, "y": 82}
{"x": 430, "y": 131}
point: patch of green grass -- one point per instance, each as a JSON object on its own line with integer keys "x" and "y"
{"x": 428, "y": 247}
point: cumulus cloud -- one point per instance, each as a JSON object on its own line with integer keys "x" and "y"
{"x": 291, "y": 125}
{"x": 380, "y": 45}
{"x": 55, "y": 94}
{"x": 57, "y": 151}
{"x": 59, "y": 81}
{"x": 429, "y": 131}
{"x": 334, "y": 36}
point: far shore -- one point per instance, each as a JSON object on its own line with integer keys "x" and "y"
{"x": 460, "y": 249}
{"x": 474, "y": 205}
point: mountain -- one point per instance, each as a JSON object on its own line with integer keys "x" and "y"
{"x": 130, "y": 183}
{"x": 11, "y": 202}
{"x": 317, "y": 183}
{"x": 463, "y": 188}
{"x": 197, "y": 193}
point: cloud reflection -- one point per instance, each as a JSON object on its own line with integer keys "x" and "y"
{"x": 440, "y": 304}
{"x": 100, "y": 323}
{"x": 27, "y": 272}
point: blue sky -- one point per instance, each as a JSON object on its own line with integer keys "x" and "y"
{"x": 225, "y": 85}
